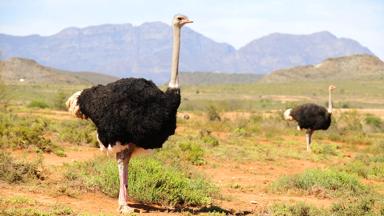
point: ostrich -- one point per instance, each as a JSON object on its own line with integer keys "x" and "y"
{"x": 132, "y": 112}
{"x": 311, "y": 117}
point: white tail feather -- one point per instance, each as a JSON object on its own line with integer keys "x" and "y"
{"x": 287, "y": 115}
{"x": 73, "y": 106}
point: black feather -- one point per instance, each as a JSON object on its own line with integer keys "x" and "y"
{"x": 311, "y": 116}
{"x": 131, "y": 110}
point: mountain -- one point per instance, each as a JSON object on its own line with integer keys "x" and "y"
{"x": 278, "y": 51}
{"x": 17, "y": 70}
{"x": 341, "y": 68}
{"x": 145, "y": 50}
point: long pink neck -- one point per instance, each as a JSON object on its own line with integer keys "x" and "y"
{"x": 330, "y": 108}
{"x": 174, "y": 82}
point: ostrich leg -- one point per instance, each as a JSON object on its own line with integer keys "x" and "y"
{"x": 123, "y": 158}
{"x": 308, "y": 136}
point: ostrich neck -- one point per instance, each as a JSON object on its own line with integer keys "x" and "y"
{"x": 174, "y": 82}
{"x": 330, "y": 102}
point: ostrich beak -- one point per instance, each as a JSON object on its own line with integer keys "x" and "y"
{"x": 186, "y": 21}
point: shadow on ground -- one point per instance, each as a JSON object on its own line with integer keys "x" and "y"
{"x": 145, "y": 208}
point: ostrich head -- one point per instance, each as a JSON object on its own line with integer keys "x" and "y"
{"x": 180, "y": 20}
{"x": 331, "y": 88}
{"x": 287, "y": 115}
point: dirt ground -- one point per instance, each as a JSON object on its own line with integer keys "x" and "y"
{"x": 243, "y": 185}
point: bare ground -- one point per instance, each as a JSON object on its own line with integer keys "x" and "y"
{"x": 242, "y": 184}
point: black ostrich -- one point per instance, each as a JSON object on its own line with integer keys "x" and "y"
{"x": 311, "y": 117}
{"x": 132, "y": 112}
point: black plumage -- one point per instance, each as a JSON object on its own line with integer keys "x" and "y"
{"x": 311, "y": 116}
{"x": 131, "y": 110}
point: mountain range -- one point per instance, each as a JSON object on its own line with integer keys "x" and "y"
{"x": 125, "y": 50}
{"x": 354, "y": 67}
{"x": 17, "y": 70}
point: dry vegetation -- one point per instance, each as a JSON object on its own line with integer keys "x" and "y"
{"x": 234, "y": 155}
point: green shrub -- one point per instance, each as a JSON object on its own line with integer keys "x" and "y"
{"x": 366, "y": 166}
{"x": 26, "y": 133}
{"x": 208, "y": 140}
{"x": 240, "y": 132}
{"x": 22, "y": 206}
{"x": 193, "y": 152}
{"x": 149, "y": 181}
{"x": 76, "y": 132}
{"x": 38, "y": 104}
{"x": 352, "y": 206}
{"x": 358, "y": 206}
{"x": 358, "y": 167}
{"x": 348, "y": 121}
{"x": 334, "y": 183}
{"x": 212, "y": 113}
{"x": 14, "y": 171}
{"x": 298, "y": 209}
{"x": 373, "y": 123}
{"x": 325, "y": 149}
{"x": 345, "y": 105}
{"x": 59, "y": 101}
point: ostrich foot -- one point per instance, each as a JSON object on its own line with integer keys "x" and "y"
{"x": 125, "y": 209}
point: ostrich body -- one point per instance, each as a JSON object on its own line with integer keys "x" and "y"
{"x": 132, "y": 112}
{"x": 311, "y": 117}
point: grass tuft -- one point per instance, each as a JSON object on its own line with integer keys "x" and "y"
{"x": 26, "y": 133}
{"x": 149, "y": 181}
{"x": 13, "y": 171}
{"x": 318, "y": 182}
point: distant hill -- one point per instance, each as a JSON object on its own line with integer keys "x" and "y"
{"x": 279, "y": 51}
{"x": 342, "y": 68}
{"x": 125, "y": 50}
{"x": 209, "y": 78}
{"x": 17, "y": 70}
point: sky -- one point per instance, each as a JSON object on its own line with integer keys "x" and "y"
{"x": 236, "y": 22}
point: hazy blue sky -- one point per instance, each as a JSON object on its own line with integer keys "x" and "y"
{"x": 233, "y": 21}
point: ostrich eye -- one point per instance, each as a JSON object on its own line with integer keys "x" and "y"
{"x": 179, "y": 18}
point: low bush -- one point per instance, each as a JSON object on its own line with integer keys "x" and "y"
{"x": 297, "y": 209}
{"x": 75, "y": 132}
{"x": 325, "y": 149}
{"x": 360, "y": 205}
{"x": 26, "y": 133}
{"x": 59, "y": 100}
{"x": 192, "y": 151}
{"x": 38, "y": 104}
{"x": 372, "y": 124}
{"x": 213, "y": 114}
{"x": 321, "y": 182}
{"x": 366, "y": 205}
{"x": 149, "y": 181}
{"x": 371, "y": 167}
{"x": 15, "y": 171}
{"x": 22, "y": 206}
{"x": 207, "y": 139}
